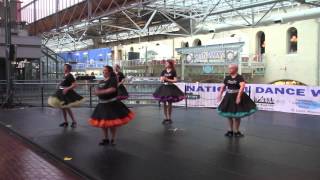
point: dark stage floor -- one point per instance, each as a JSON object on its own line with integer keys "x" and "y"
{"x": 277, "y": 146}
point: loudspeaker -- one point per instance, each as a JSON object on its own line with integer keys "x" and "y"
{"x": 2, "y": 69}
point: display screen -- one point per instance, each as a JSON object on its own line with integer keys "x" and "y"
{"x": 93, "y": 58}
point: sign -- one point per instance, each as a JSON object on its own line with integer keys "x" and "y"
{"x": 200, "y": 94}
{"x": 217, "y": 54}
{"x": 291, "y": 99}
{"x": 281, "y": 98}
{"x": 207, "y": 69}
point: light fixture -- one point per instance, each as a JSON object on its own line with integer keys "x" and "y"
{"x": 95, "y": 21}
{"x": 105, "y": 18}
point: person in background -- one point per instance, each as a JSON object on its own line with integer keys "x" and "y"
{"x": 92, "y": 77}
{"x": 168, "y": 93}
{"x": 122, "y": 91}
{"x": 110, "y": 113}
{"x": 65, "y": 97}
{"x": 236, "y": 104}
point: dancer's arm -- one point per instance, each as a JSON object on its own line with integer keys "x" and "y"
{"x": 174, "y": 80}
{"x": 123, "y": 79}
{"x": 222, "y": 89}
{"x": 241, "y": 90}
{"x": 106, "y": 91}
{"x": 73, "y": 85}
{"x": 162, "y": 77}
{"x": 112, "y": 87}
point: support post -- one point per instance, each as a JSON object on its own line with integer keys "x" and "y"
{"x": 186, "y": 96}
{"x": 9, "y": 99}
{"x": 42, "y": 96}
{"x": 90, "y": 95}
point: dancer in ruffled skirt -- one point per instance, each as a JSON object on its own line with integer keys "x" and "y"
{"x": 110, "y": 113}
{"x": 65, "y": 97}
{"x": 122, "y": 91}
{"x": 168, "y": 93}
{"x": 236, "y": 104}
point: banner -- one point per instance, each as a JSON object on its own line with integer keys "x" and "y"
{"x": 290, "y": 99}
{"x": 199, "y": 94}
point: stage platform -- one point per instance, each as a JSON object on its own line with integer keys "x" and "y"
{"x": 276, "y": 146}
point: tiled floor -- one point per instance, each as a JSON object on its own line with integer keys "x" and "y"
{"x": 19, "y": 162}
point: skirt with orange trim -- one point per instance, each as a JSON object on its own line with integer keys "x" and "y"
{"x": 111, "y": 114}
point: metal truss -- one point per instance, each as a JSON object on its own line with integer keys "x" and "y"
{"x": 131, "y": 19}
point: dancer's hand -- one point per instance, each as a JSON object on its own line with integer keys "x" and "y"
{"x": 97, "y": 92}
{"x": 65, "y": 91}
{"x": 238, "y": 100}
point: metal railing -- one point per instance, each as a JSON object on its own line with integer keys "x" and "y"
{"x": 36, "y": 93}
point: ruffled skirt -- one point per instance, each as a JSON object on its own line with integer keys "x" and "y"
{"x": 60, "y": 100}
{"x": 228, "y": 107}
{"x": 168, "y": 93}
{"x": 111, "y": 114}
{"x": 122, "y": 93}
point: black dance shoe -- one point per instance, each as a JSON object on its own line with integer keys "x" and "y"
{"x": 238, "y": 134}
{"x": 73, "y": 125}
{"x": 64, "y": 124}
{"x": 104, "y": 142}
{"x": 165, "y": 121}
{"x": 170, "y": 121}
{"x": 113, "y": 143}
{"x": 229, "y": 134}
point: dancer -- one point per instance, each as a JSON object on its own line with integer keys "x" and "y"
{"x": 65, "y": 97}
{"x": 122, "y": 91}
{"x": 236, "y": 104}
{"x": 110, "y": 113}
{"x": 168, "y": 93}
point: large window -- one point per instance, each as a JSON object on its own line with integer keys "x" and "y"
{"x": 261, "y": 43}
{"x": 292, "y": 40}
{"x": 197, "y": 42}
{"x": 184, "y": 44}
{"x": 38, "y": 9}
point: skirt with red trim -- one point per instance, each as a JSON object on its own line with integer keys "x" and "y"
{"x": 168, "y": 93}
{"x": 122, "y": 93}
{"x": 111, "y": 114}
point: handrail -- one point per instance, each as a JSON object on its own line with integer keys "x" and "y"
{"x": 85, "y": 83}
{"x": 36, "y": 93}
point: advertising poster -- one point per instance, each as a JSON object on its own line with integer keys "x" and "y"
{"x": 290, "y": 99}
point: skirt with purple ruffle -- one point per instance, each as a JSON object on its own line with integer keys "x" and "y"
{"x": 122, "y": 93}
{"x": 168, "y": 93}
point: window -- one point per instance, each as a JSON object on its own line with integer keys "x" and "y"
{"x": 184, "y": 44}
{"x": 292, "y": 40}
{"x": 261, "y": 43}
{"x": 197, "y": 42}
